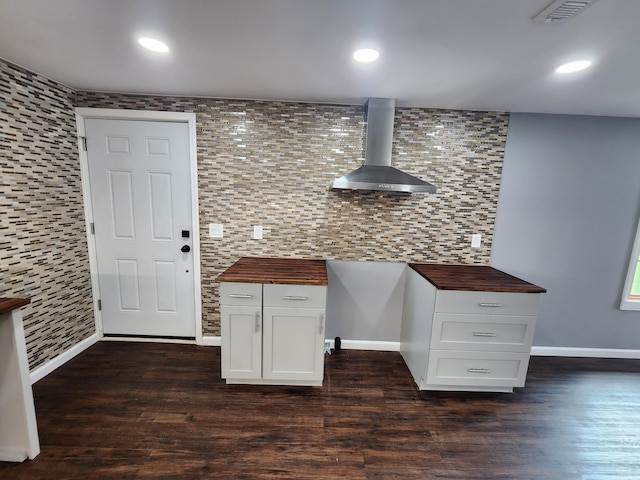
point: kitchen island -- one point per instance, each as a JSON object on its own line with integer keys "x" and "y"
{"x": 467, "y": 327}
{"x": 18, "y": 428}
{"x": 272, "y": 321}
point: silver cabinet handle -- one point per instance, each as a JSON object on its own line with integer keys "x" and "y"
{"x": 321, "y": 328}
{"x": 240, "y": 295}
{"x": 479, "y": 370}
{"x": 257, "y": 321}
{"x": 293, "y": 297}
{"x": 488, "y": 304}
{"x": 483, "y": 334}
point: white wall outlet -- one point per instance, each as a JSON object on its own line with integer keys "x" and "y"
{"x": 476, "y": 238}
{"x": 257, "y": 232}
{"x": 215, "y": 230}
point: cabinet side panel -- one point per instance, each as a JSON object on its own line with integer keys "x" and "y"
{"x": 417, "y": 319}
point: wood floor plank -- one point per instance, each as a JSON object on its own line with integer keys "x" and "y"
{"x": 125, "y": 410}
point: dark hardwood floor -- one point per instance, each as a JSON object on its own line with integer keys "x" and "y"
{"x": 143, "y": 410}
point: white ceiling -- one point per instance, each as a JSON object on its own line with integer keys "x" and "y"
{"x": 467, "y": 54}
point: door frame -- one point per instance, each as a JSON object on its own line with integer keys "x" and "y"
{"x": 83, "y": 113}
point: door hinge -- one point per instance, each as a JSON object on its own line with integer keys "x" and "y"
{"x": 99, "y": 304}
{"x": 93, "y": 229}
{"x": 84, "y": 143}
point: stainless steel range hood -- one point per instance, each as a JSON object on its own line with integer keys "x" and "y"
{"x": 377, "y": 172}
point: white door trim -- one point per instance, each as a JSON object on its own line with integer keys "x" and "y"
{"x": 83, "y": 113}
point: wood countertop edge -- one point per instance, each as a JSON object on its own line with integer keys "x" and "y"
{"x": 275, "y": 270}
{"x": 270, "y": 281}
{"x": 8, "y": 305}
{"x": 520, "y": 286}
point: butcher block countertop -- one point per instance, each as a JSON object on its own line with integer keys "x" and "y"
{"x": 9, "y": 304}
{"x": 292, "y": 271}
{"x": 479, "y": 278}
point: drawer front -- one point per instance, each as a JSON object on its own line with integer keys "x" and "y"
{"x": 502, "y": 333}
{"x": 295, "y": 296}
{"x": 235, "y": 293}
{"x": 477, "y": 369}
{"x": 487, "y": 303}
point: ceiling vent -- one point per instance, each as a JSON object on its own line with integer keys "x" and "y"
{"x": 562, "y": 10}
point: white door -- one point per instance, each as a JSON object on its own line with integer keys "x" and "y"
{"x": 139, "y": 177}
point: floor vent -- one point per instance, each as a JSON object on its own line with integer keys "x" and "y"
{"x": 562, "y": 10}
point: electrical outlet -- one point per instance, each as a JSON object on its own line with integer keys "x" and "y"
{"x": 215, "y": 230}
{"x": 476, "y": 238}
{"x": 257, "y": 232}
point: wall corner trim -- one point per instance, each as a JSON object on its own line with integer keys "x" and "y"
{"x": 584, "y": 352}
{"x": 211, "y": 341}
{"x": 63, "y": 358}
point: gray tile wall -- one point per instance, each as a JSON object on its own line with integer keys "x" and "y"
{"x": 43, "y": 247}
{"x": 271, "y": 164}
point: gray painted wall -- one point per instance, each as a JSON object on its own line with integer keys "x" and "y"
{"x": 567, "y": 213}
{"x": 364, "y": 300}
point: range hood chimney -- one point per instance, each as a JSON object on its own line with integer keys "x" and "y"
{"x": 377, "y": 172}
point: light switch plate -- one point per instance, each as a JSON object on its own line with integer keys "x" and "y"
{"x": 476, "y": 238}
{"x": 257, "y": 232}
{"x": 215, "y": 230}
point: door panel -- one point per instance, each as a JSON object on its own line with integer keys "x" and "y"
{"x": 161, "y": 196}
{"x": 128, "y": 292}
{"x": 122, "y": 214}
{"x": 241, "y": 341}
{"x": 139, "y": 177}
{"x": 293, "y": 343}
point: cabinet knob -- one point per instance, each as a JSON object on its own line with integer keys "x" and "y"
{"x": 257, "y": 321}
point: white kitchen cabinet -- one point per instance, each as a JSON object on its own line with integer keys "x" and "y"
{"x": 276, "y": 337}
{"x": 468, "y": 340}
{"x": 18, "y": 426}
{"x": 241, "y": 325}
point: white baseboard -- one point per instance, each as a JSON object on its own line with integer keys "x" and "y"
{"x": 584, "y": 352}
{"x": 64, "y": 357}
{"x": 148, "y": 340}
{"x": 382, "y": 346}
{"x": 211, "y": 341}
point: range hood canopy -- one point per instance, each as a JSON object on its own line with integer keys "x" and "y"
{"x": 377, "y": 173}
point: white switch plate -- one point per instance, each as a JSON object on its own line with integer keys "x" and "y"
{"x": 215, "y": 230}
{"x": 476, "y": 238}
{"x": 257, "y": 232}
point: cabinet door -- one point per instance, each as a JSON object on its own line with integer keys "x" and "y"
{"x": 241, "y": 341}
{"x": 293, "y": 343}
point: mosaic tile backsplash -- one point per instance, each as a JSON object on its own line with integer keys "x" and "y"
{"x": 272, "y": 163}
{"x": 43, "y": 247}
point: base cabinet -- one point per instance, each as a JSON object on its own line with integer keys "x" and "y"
{"x": 276, "y": 336}
{"x": 466, "y": 340}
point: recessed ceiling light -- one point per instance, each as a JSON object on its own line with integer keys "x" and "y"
{"x": 366, "y": 55}
{"x": 573, "y": 66}
{"x": 153, "y": 44}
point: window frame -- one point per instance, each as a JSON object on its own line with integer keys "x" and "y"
{"x": 626, "y": 303}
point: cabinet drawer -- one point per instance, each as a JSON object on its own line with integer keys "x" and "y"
{"x": 487, "y": 303}
{"x": 235, "y": 293}
{"x": 295, "y": 296}
{"x": 477, "y": 369}
{"x": 504, "y": 333}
